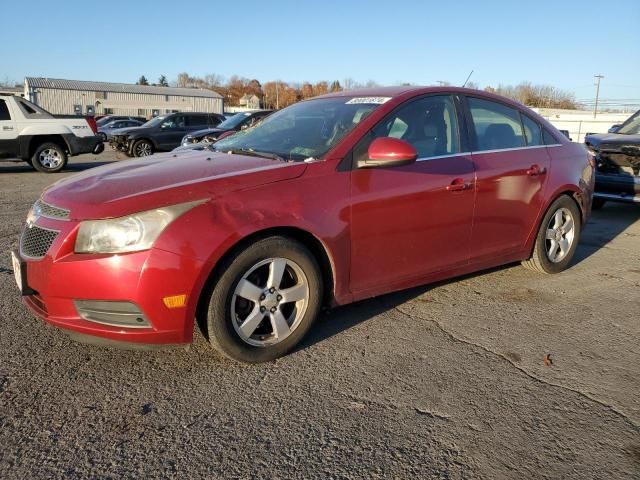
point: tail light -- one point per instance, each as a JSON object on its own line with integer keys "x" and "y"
{"x": 92, "y": 124}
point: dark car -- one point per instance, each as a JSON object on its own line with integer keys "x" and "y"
{"x": 162, "y": 133}
{"x": 617, "y": 158}
{"x": 111, "y": 118}
{"x": 238, "y": 122}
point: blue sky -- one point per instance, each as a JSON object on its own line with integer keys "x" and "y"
{"x": 561, "y": 43}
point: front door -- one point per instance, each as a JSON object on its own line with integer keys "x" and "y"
{"x": 8, "y": 132}
{"x": 512, "y": 166}
{"x": 412, "y": 220}
{"x": 171, "y": 132}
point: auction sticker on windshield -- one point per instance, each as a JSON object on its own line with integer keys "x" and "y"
{"x": 368, "y": 100}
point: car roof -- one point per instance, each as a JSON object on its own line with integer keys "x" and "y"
{"x": 412, "y": 90}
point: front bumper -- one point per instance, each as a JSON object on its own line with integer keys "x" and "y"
{"x": 618, "y": 187}
{"x": 62, "y": 278}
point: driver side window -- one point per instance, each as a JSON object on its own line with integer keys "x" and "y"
{"x": 429, "y": 124}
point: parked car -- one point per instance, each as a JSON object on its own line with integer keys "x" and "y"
{"x": 617, "y": 157}
{"x": 110, "y": 118}
{"x": 162, "y": 133}
{"x": 237, "y": 122}
{"x": 44, "y": 141}
{"x": 331, "y": 200}
{"x": 107, "y": 129}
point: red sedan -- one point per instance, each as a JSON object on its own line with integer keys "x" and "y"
{"x": 332, "y": 200}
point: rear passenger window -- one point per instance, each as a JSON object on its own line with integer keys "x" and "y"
{"x": 497, "y": 126}
{"x": 197, "y": 120}
{"x": 549, "y": 139}
{"x": 532, "y": 131}
{"x": 4, "y": 111}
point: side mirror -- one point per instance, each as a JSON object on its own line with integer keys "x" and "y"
{"x": 614, "y": 128}
{"x": 389, "y": 152}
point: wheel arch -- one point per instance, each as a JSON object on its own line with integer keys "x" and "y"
{"x": 29, "y": 144}
{"x": 317, "y": 248}
{"x": 570, "y": 191}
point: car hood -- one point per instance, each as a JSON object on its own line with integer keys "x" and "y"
{"x": 613, "y": 139}
{"x": 129, "y": 130}
{"x": 209, "y": 131}
{"x": 151, "y": 182}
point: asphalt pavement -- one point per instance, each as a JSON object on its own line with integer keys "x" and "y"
{"x": 501, "y": 374}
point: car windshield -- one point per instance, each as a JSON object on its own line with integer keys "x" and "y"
{"x": 631, "y": 126}
{"x": 103, "y": 121}
{"x": 305, "y": 130}
{"x": 154, "y": 121}
{"x": 234, "y": 121}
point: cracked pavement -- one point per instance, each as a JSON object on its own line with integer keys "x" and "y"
{"x": 440, "y": 381}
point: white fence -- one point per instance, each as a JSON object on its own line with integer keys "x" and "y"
{"x": 579, "y": 122}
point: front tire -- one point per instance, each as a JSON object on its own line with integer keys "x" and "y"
{"x": 557, "y": 238}
{"x": 49, "y": 158}
{"x": 142, "y": 148}
{"x": 265, "y": 300}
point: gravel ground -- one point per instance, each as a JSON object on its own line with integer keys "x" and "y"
{"x": 444, "y": 381}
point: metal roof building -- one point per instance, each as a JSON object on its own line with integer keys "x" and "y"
{"x": 70, "y": 97}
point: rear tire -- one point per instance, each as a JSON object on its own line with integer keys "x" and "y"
{"x": 257, "y": 314}
{"x": 597, "y": 203}
{"x": 557, "y": 238}
{"x": 49, "y": 158}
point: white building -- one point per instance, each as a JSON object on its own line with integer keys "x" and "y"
{"x": 100, "y": 98}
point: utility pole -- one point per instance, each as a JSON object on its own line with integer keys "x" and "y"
{"x": 599, "y": 77}
{"x": 277, "y": 97}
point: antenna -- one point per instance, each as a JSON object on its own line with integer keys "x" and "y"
{"x": 465, "y": 82}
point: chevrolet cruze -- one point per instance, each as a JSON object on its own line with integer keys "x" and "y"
{"x": 331, "y": 200}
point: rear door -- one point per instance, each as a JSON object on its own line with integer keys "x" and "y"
{"x": 409, "y": 221}
{"x": 511, "y": 163}
{"x": 8, "y": 132}
{"x": 196, "y": 122}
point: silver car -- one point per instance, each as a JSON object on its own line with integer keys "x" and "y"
{"x": 105, "y": 130}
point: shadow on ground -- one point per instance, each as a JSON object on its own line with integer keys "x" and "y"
{"x": 604, "y": 226}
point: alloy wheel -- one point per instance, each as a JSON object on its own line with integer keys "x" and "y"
{"x": 269, "y": 302}
{"x": 143, "y": 149}
{"x": 559, "y": 235}
{"x": 50, "y": 158}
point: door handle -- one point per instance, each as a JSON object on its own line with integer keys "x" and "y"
{"x": 7, "y": 128}
{"x": 536, "y": 170}
{"x": 458, "y": 185}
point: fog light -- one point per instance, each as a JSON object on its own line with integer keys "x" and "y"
{"x": 115, "y": 314}
{"x": 175, "y": 301}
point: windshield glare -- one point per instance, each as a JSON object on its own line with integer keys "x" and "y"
{"x": 234, "y": 121}
{"x": 154, "y": 121}
{"x": 304, "y": 130}
{"x": 631, "y": 126}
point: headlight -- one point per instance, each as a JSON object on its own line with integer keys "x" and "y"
{"x": 127, "y": 234}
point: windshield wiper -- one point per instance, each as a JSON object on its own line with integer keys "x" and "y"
{"x": 255, "y": 153}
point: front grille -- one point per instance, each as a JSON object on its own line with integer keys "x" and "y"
{"x": 36, "y": 241}
{"x": 50, "y": 211}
